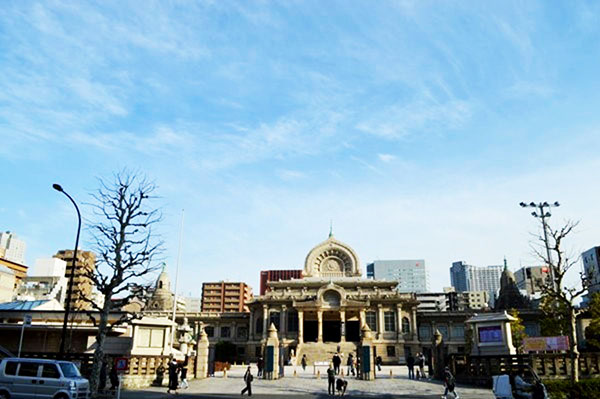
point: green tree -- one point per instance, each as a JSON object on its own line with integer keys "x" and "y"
{"x": 517, "y": 330}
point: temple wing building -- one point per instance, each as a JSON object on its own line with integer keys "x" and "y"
{"x": 323, "y": 311}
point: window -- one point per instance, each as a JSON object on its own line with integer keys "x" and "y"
{"x": 371, "y": 320}
{"x": 424, "y": 332}
{"x": 391, "y": 351}
{"x": 69, "y": 370}
{"x": 444, "y": 331}
{"x": 210, "y": 331}
{"x": 11, "y": 368}
{"x": 259, "y": 325}
{"x": 292, "y": 321}
{"x": 50, "y": 371}
{"x": 274, "y": 319}
{"x": 242, "y": 332}
{"x": 405, "y": 325}
{"x": 457, "y": 332}
{"x": 28, "y": 369}
{"x": 389, "y": 321}
{"x": 225, "y": 332}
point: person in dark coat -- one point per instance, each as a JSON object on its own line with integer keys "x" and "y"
{"x": 248, "y": 380}
{"x": 350, "y": 364}
{"x": 303, "y": 362}
{"x": 260, "y": 365}
{"x": 173, "y": 376}
{"x": 341, "y": 385}
{"x": 378, "y": 362}
{"x": 410, "y": 363}
{"x": 114, "y": 378}
{"x": 449, "y": 383}
{"x": 331, "y": 380}
{"x": 183, "y": 373}
{"x": 336, "y": 363}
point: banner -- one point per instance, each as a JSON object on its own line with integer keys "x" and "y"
{"x": 540, "y": 344}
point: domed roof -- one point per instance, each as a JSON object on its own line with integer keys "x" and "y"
{"x": 163, "y": 282}
{"x": 332, "y": 258}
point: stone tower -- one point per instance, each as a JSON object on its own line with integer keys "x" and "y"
{"x": 162, "y": 297}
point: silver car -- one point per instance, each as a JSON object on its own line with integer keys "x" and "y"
{"x": 41, "y": 379}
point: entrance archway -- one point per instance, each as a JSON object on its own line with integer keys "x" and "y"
{"x": 332, "y": 331}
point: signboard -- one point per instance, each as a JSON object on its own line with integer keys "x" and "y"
{"x": 492, "y": 334}
{"x": 121, "y": 363}
{"x": 540, "y": 344}
{"x": 27, "y": 320}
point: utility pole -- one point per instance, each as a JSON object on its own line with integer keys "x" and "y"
{"x": 543, "y": 213}
{"x": 176, "y": 280}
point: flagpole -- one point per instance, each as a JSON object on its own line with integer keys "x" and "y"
{"x": 176, "y": 280}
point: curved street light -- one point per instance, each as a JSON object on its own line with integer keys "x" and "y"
{"x": 63, "y": 336}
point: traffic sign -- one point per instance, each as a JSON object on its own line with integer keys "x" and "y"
{"x": 121, "y": 363}
{"x": 27, "y": 320}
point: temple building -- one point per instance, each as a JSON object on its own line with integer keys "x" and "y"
{"x": 323, "y": 311}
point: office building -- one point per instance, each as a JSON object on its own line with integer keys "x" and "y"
{"x": 277, "y": 275}
{"x": 591, "y": 267}
{"x": 452, "y": 301}
{"x": 411, "y": 275}
{"x": 224, "y": 296}
{"x": 466, "y": 277}
{"x": 13, "y": 249}
{"x": 82, "y": 286}
{"x": 531, "y": 279}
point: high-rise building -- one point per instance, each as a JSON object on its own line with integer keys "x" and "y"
{"x": 224, "y": 296}
{"x": 276, "y": 275}
{"x": 591, "y": 266}
{"x": 410, "y": 274}
{"x": 13, "y": 248}
{"x": 451, "y": 301}
{"x": 466, "y": 277}
{"x": 531, "y": 278}
{"x": 82, "y": 286}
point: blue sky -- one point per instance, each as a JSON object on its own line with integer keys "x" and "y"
{"x": 416, "y": 126}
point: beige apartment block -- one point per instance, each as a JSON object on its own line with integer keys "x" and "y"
{"x": 224, "y": 296}
{"x": 82, "y": 286}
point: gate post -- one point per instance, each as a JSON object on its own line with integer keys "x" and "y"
{"x": 367, "y": 363}
{"x": 202, "y": 355}
{"x": 272, "y": 355}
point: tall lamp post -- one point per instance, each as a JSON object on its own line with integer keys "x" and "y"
{"x": 63, "y": 336}
{"x": 543, "y": 213}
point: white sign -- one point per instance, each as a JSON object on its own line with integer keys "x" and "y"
{"x": 27, "y": 320}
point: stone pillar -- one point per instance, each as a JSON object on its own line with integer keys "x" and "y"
{"x": 283, "y": 321}
{"x": 365, "y": 352}
{"x": 415, "y": 328}
{"x": 202, "y": 356}
{"x": 271, "y": 371}
{"x": 251, "y": 327}
{"x": 380, "y": 322}
{"x": 399, "y": 322}
{"x": 265, "y": 320}
{"x": 320, "y": 329}
{"x": 362, "y": 318}
{"x": 343, "y": 325}
{"x": 300, "y": 326}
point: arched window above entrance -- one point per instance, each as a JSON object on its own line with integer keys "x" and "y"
{"x": 331, "y": 298}
{"x": 405, "y": 325}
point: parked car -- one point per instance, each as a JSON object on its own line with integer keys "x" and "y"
{"x": 504, "y": 386}
{"x": 22, "y": 378}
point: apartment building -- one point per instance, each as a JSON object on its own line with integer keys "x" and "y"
{"x": 225, "y": 296}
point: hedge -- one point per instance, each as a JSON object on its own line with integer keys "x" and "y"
{"x": 564, "y": 389}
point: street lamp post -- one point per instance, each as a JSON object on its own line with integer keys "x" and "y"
{"x": 63, "y": 336}
{"x": 543, "y": 213}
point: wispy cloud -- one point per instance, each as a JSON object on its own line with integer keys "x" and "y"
{"x": 386, "y": 157}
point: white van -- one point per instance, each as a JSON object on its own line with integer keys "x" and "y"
{"x": 22, "y": 378}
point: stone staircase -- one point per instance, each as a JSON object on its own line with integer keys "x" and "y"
{"x": 323, "y": 352}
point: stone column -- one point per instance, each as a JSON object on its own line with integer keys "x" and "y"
{"x": 272, "y": 355}
{"x": 343, "y": 325}
{"x": 265, "y": 321}
{"x": 283, "y": 321}
{"x": 202, "y": 356}
{"x": 380, "y": 322}
{"x": 300, "y": 326}
{"x": 251, "y": 327}
{"x": 320, "y": 329}
{"x": 362, "y": 318}
{"x": 415, "y": 328}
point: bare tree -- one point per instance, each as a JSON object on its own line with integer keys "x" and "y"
{"x": 126, "y": 249}
{"x": 559, "y": 300}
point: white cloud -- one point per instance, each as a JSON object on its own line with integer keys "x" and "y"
{"x": 386, "y": 157}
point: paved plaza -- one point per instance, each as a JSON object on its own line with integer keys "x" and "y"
{"x": 305, "y": 385}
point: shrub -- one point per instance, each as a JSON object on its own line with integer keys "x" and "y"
{"x": 564, "y": 389}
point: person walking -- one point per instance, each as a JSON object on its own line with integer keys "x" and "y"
{"x": 449, "y": 383}
{"x": 303, "y": 362}
{"x": 183, "y": 373}
{"x": 331, "y": 380}
{"x": 173, "y": 376}
{"x": 422, "y": 365}
{"x": 336, "y": 363}
{"x": 350, "y": 364}
{"x": 113, "y": 376}
{"x": 378, "y": 362}
{"x": 410, "y": 363}
{"x": 248, "y": 380}
{"x": 260, "y": 365}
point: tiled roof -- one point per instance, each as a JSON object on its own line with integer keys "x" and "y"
{"x": 22, "y": 305}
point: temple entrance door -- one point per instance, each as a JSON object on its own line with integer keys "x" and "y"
{"x": 352, "y": 331}
{"x": 311, "y": 330}
{"x": 332, "y": 331}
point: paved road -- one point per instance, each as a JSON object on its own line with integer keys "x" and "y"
{"x": 305, "y": 385}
